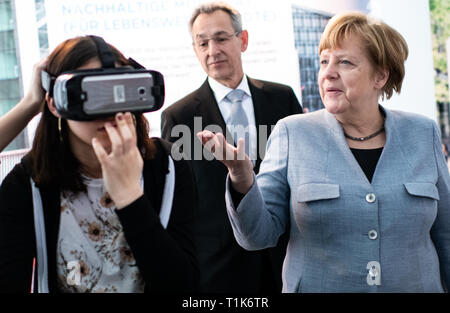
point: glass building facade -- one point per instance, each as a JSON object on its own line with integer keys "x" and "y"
{"x": 41, "y": 21}
{"x": 10, "y": 80}
{"x": 308, "y": 27}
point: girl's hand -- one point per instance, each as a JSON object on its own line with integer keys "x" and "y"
{"x": 122, "y": 167}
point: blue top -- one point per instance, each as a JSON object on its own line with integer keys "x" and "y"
{"x": 347, "y": 234}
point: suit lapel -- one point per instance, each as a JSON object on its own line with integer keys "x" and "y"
{"x": 261, "y": 105}
{"x": 208, "y": 109}
{"x": 262, "y": 109}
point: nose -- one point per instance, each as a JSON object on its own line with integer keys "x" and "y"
{"x": 328, "y": 71}
{"x": 213, "y": 47}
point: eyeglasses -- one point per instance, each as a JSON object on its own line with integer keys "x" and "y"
{"x": 220, "y": 40}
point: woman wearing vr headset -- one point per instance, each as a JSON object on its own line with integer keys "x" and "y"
{"x": 110, "y": 222}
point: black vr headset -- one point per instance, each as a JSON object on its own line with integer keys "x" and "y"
{"x": 85, "y": 95}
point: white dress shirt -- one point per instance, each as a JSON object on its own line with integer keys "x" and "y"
{"x": 220, "y": 92}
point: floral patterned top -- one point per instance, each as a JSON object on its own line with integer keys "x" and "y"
{"x": 92, "y": 253}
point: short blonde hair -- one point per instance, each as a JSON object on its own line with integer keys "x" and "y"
{"x": 386, "y": 48}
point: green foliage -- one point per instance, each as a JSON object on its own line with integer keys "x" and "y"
{"x": 440, "y": 28}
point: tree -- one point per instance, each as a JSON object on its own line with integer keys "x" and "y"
{"x": 440, "y": 29}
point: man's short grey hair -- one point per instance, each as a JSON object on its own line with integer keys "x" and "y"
{"x": 211, "y": 7}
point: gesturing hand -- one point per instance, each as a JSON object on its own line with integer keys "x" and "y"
{"x": 122, "y": 167}
{"x": 239, "y": 165}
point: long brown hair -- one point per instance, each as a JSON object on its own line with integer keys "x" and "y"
{"x": 52, "y": 160}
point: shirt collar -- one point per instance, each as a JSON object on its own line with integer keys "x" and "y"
{"x": 220, "y": 91}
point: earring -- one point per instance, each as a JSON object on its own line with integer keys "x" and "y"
{"x": 60, "y": 129}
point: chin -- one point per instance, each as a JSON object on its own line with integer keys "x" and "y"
{"x": 216, "y": 76}
{"x": 332, "y": 108}
{"x": 336, "y": 107}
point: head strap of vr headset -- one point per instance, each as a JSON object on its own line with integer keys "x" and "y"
{"x": 106, "y": 57}
{"x": 104, "y": 52}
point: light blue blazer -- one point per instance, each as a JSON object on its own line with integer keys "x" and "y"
{"x": 347, "y": 234}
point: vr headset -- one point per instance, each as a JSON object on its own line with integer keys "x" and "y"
{"x": 85, "y": 95}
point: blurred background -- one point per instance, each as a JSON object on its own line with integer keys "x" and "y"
{"x": 283, "y": 47}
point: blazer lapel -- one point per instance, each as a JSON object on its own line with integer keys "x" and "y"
{"x": 338, "y": 138}
{"x": 392, "y": 157}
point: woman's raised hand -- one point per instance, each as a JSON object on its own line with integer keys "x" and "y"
{"x": 238, "y": 163}
{"x": 35, "y": 94}
{"x": 13, "y": 122}
{"x": 122, "y": 167}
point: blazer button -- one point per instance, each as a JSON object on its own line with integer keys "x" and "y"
{"x": 373, "y": 234}
{"x": 370, "y": 197}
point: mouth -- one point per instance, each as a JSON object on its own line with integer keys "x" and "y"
{"x": 216, "y": 63}
{"x": 333, "y": 91}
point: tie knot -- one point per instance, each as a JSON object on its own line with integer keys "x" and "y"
{"x": 236, "y": 95}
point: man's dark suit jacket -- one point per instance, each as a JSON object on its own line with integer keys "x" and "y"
{"x": 224, "y": 265}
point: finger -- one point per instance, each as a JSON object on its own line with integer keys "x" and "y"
{"x": 241, "y": 149}
{"x": 204, "y": 136}
{"x": 39, "y": 66}
{"x": 99, "y": 151}
{"x": 207, "y": 136}
{"x": 42, "y": 64}
{"x": 230, "y": 150}
{"x": 131, "y": 122}
{"x": 36, "y": 84}
{"x": 219, "y": 148}
{"x": 125, "y": 132}
{"x": 115, "y": 138}
{"x": 209, "y": 144}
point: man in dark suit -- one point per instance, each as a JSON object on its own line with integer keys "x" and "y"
{"x": 218, "y": 41}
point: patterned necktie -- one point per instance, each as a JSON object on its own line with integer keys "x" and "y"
{"x": 238, "y": 122}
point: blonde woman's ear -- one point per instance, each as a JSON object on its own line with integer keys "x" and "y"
{"x": 381, "y": 78}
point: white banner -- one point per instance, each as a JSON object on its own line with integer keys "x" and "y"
{"x": 155, "y": 33}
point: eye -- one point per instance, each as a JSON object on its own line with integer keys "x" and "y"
{"x": 323, "y": 62}
{"x": 346, "y": 62}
